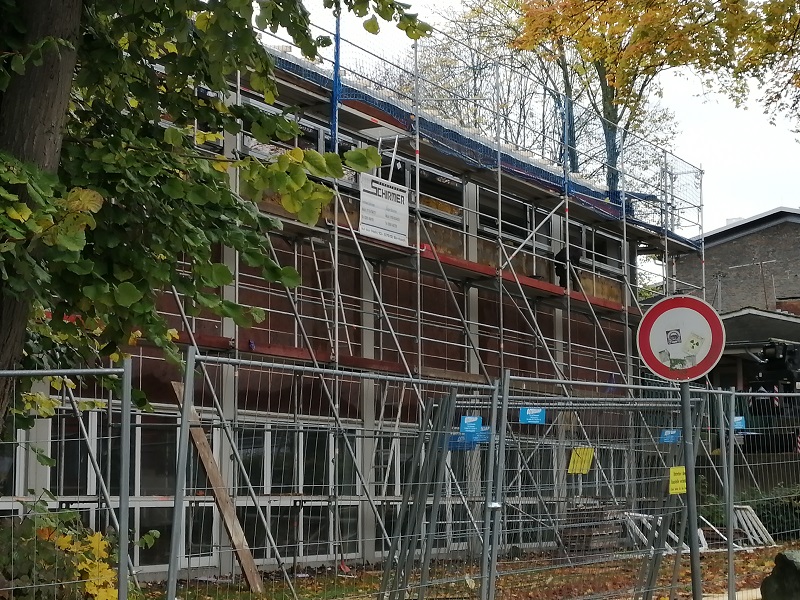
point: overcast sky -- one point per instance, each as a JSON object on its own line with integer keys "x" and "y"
{"x": 749, "y": 165}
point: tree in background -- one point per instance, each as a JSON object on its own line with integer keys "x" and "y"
{"x": 623, "y": 45}
{"x": 771, "y": 53}
{"x": 544, "y": 93}
{"x": 100, "y": 202}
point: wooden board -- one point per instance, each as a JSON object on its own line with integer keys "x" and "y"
{"x": 222, "y": 498}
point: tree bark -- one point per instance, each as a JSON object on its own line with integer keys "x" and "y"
{"x": 610, "y": 122}
{"x": 33, "y": 110}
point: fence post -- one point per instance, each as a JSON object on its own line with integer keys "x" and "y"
{"x": 691, "y": 491}
{"x": 497, "y": 505}
{"x": 729, "y": 499}
{"x": 180, "y": 476}
{"x": 487, "y": 513}
{"x": 124, "y": 477}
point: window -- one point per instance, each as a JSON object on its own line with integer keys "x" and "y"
{"x": 308, "y": 139}
{"x": 441, "y": 196}
{"x": 604, "y": 250}
{"x": 397, "y": 168}
{"x": 199, "y": 529}
{"x": 111, "y": 451}
{"x": 283, "y": 453}
{"x": 160, "y": 519}
{"x": 159, "y": 443}
{"x": 544, "y": 233}
{"x": 315, "y": 462}
{"x": 69, "y": 476}
{"x": 256, "y": 533}
{"x": 346, "y": 467}
{"x": 251, "y": 449}
{"x": 8, "y": 455}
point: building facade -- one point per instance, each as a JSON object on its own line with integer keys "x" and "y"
{"x": 468, "y": 291}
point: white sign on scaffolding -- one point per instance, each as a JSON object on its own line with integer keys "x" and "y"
{"x": 384, "y": 210}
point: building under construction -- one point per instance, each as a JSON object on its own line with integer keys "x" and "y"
{"x": 471, "y": 256}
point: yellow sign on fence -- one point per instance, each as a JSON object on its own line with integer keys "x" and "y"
{"x": 581, "y": 461}
{"x": 677, "y": 480}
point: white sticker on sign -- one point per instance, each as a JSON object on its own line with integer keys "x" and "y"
{"x": 680, "y": 338}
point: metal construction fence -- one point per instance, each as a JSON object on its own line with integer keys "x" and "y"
{"x": 64, "y": 484}
{"x": 352, "y": 484}
{"x": 287, "y": 481}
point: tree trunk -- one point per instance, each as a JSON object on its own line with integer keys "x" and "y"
{"x": 610, "y": 123}
{"x": 33, "y": 110}
{"x": 569, "y": 108}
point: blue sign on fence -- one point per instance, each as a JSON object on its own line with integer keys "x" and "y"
{"x": 739, "y": 423}
{"x": 461, "y": 441}
{"x": 470, "y": 424}
{"x": 670, "y": 436}
{"x": 481, "y": 437}
{"x": 531, "y": 415}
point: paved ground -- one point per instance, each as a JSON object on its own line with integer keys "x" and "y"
{"x": 742, "y": 595}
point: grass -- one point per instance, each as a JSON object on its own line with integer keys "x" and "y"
{"x": 537, "y": 577}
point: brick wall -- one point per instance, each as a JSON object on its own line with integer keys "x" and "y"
{"x": 756, "y": 270}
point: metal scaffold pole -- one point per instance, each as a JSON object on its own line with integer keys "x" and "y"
{"x": 417, "y": 199}
{"x": 691, "y": 490}
{"x": 500, "y": 248}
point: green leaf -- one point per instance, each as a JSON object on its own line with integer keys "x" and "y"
{"x": 70, "y": 239}
{"x": 42, "y": 458}
{"x": 122, "y": 273}
{"x": 315, "y": 163}
{"x": 83, "y": 200}
{"x": 173, "y": 188}
{"x": 290, "y": 203}
{"x": 333, "y": 165}
{"x": 235, "y": 312}
{"x": 298, "y": 175}
{"x": 289, "y": 277}
{"x": 309, "y": 212}
{"x": 220, "y": 275}
{"x": 371, "y": 25}
{"x": 356, "y": 159}
{"x": 196, "y": 195}
{"x": 18, "y": 64}
{"x": 173, "y": 137}
{"x": 126, "y": 294}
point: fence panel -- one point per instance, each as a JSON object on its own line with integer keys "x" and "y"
{"x": 64, "y": 484}
{"x": 352, "y": 484}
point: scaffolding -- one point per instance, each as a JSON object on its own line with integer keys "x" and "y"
{"x": 520, "y": 266}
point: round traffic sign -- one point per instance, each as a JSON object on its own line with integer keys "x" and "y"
{"x": 681, "y": 338}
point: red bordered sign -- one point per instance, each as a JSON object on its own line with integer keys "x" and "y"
{"x": 681, "y": 338}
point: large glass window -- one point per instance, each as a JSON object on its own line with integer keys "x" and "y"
{"x": 199, "y": 529}
{"x": 110, "y": 451}
{"x": 348, "y": 528}
{"x": 285, "y": 523}
{"x": 284, "y": 460}
{"x": 160, "y": 519}
{"x": 604, "y": 250}
{"x": 251, "y": 449}
{"x": 316, "y": 530}
{"x": 346, "y": 467}
{"x": 315, "y": 462}
{"x": 8, "y": 453}
{"x": 255, "y": 532}
{"x": 69, "y": 476}
{"x": 158, "y": 455}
